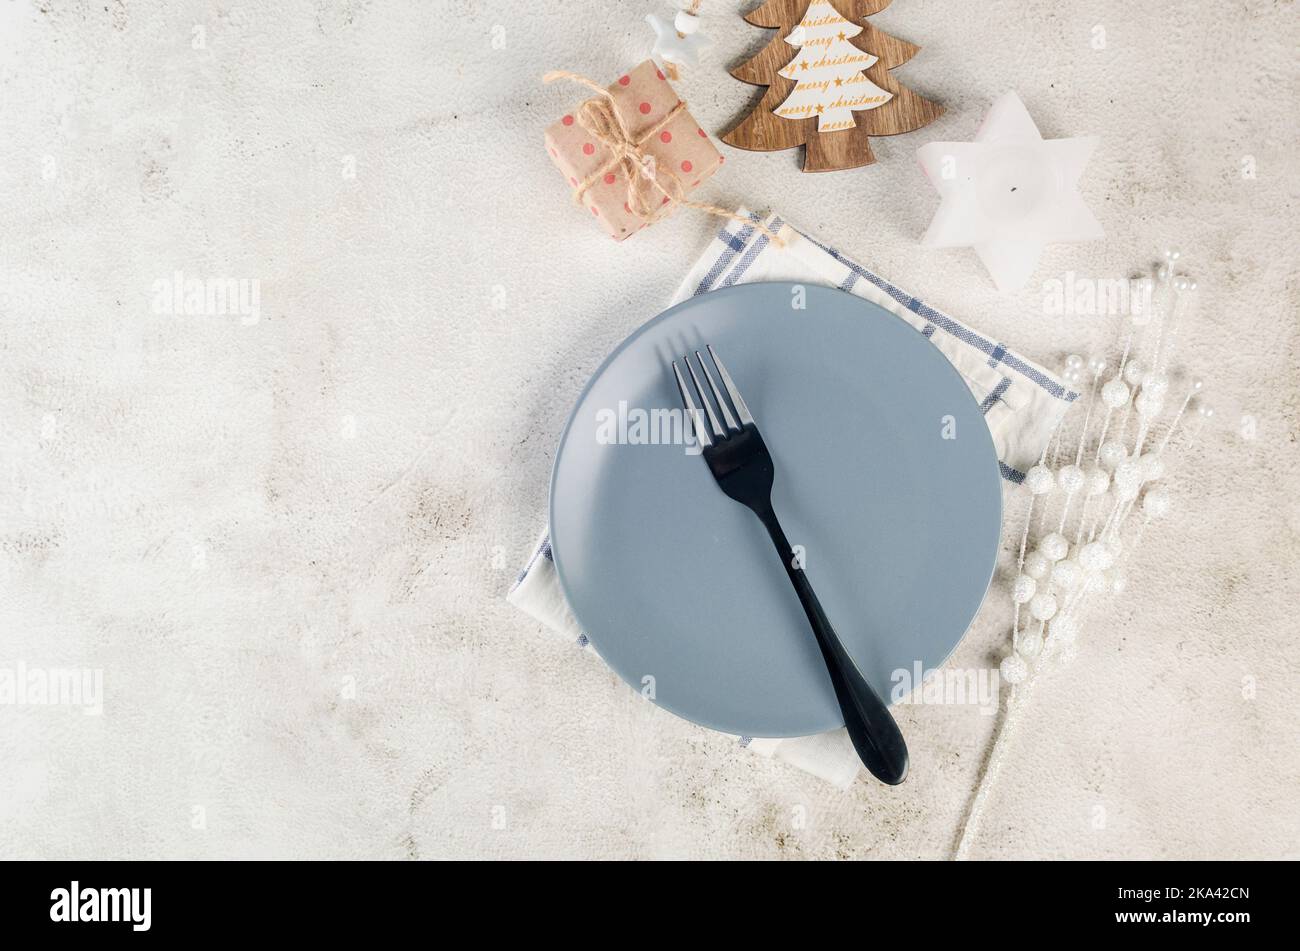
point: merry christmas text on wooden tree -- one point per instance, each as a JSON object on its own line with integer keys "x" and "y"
{"x": 829, "y": 85}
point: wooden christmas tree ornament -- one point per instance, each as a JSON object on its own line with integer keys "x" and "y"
{"x": 829, "y": 85}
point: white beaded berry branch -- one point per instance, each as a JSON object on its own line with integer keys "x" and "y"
{"x": 1059, "y": 579}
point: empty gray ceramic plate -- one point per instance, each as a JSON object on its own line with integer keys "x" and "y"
{"x": 679, "y": 587}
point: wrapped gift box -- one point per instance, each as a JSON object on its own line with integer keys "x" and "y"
{"x": 678, "y": 147}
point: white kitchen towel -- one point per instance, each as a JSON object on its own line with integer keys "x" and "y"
{"x": 1022, "y": 402}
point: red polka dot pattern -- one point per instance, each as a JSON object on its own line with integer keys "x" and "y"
{"x": 670, "y": 143}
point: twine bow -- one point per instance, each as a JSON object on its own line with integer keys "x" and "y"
{"x": 652, "y": 193}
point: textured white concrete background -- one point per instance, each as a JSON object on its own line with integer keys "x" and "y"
{"x": 232, "y": 519}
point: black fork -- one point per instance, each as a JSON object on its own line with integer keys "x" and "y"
{"x": 743, "y": 469}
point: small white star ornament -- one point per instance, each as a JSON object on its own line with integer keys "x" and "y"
{"x": 680, "y": 42}
{"x": 1009, "y": 193}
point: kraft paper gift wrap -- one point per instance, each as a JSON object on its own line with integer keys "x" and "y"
{"x": 678, "y": 147}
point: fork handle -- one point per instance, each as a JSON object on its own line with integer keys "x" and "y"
{"x": 871, "y": 726}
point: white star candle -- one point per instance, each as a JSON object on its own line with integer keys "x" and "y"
{"x": 1009, "y": 193}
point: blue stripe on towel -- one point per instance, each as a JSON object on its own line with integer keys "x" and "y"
{"x": 734, "y": 244}
{"x": 995, "y": 394}
{"x": 754, "y": 251}
{"x": 543, "y": 551}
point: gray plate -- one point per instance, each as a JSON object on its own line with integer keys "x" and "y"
{"x": 673, "y": 581}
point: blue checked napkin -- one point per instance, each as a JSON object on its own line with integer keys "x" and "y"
{"x": 1021, "y": 401}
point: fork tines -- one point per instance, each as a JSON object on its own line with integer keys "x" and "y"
{"x": 741, "y": 410}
